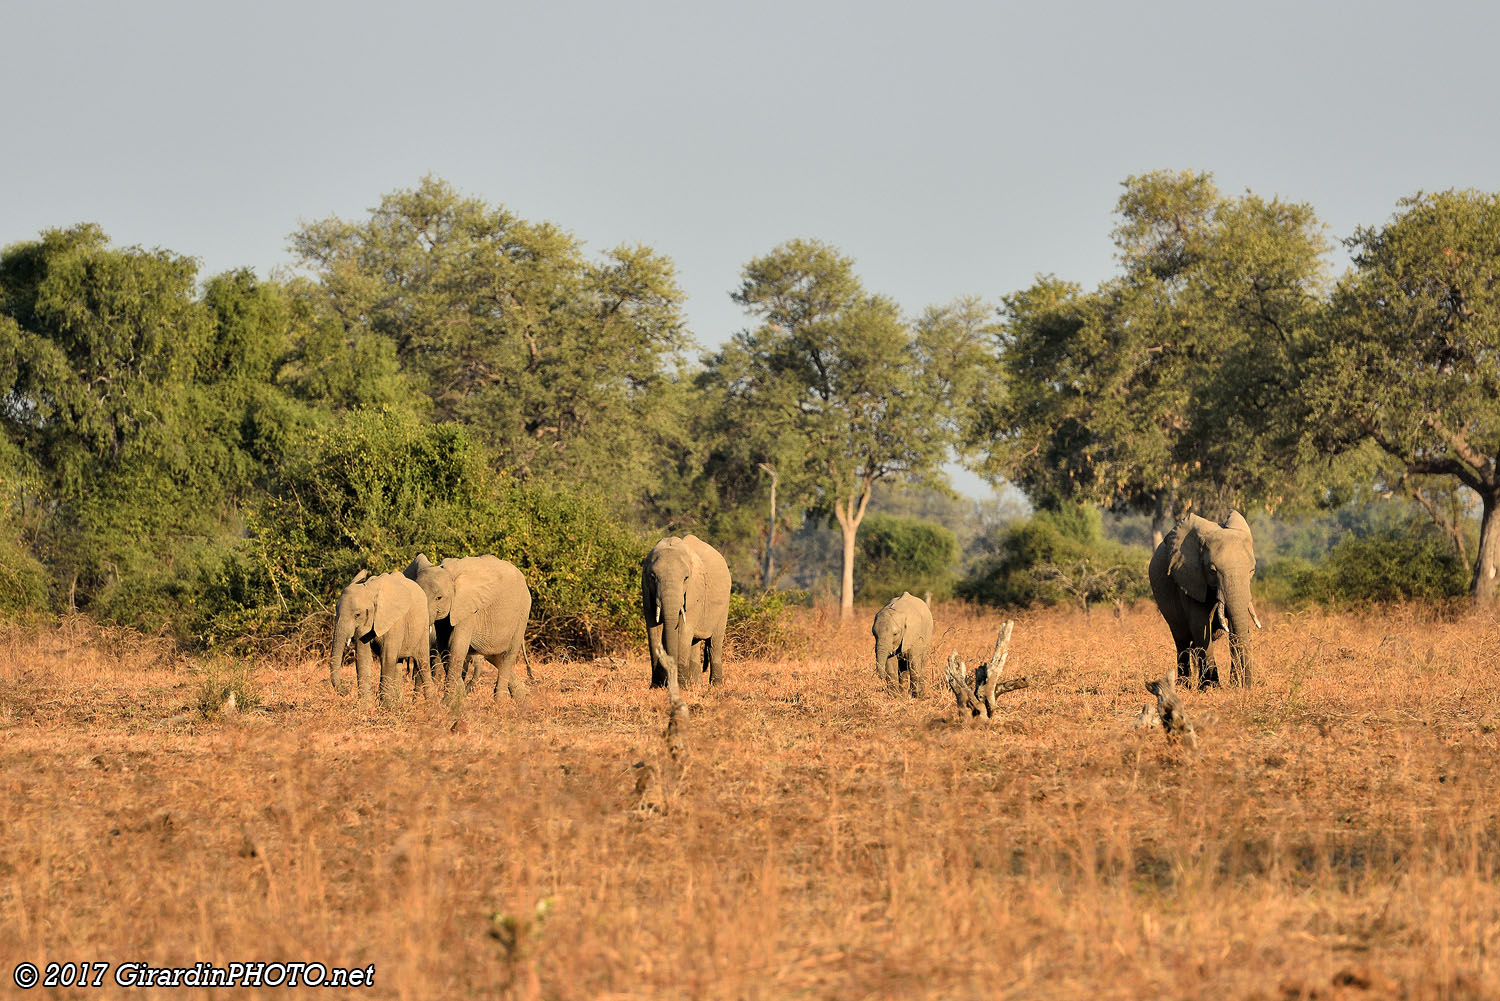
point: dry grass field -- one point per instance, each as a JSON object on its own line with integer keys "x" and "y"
{"x": 1334, "y": 835}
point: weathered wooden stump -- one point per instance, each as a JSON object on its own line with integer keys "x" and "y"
{"x": 977, "y": 694}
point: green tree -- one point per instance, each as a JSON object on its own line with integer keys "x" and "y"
{"x": 1409, "y": 362}
{"x": 1161, "y": 386}
{"x": 566, "y": 367}
{"x": 147, "y": 413}
{"x": 831, "y": 383}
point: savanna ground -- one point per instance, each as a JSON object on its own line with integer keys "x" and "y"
{"x": 1335, "y": 834}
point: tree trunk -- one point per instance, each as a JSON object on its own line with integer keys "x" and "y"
{"x": 1161, "y": 519}
{"x": 846, "y": 587}
{"x": 1487, "y": 565}
{"x": 768, "y": 565}
{"x": 850, "y": 512}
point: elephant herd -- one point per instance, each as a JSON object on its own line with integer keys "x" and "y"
{"x": 463, "y": 612}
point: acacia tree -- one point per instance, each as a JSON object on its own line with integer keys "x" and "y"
{"x": 1160, "y": 386}
{"x": 565, "y": 365}
{"x": 1409, "y": 362}
{"x": 832, "y": 382}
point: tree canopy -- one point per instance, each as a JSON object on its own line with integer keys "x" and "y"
{"x": 831, "y": 384}
{"x": 565, "y": 366}
{"x": 1162, "y": 385}
{"x": 1409, "y": 360}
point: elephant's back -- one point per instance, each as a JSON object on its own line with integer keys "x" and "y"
{"x": 708, "y": 554}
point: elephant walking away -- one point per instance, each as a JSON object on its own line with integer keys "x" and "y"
{"x": 685, "y": 597}
{"x": 476, "y": 605}
{"x": 903, "y": 632}
{"x": 384, "y": 617}
{"x": 1200, "y": 577}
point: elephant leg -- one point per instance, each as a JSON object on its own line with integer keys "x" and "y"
{"x": 915, "y": 668}
{"x": 1200, "y": 632}
{"x": 687, "y": 672}
{"x": 505, "y": 673}
{"x": 364, "y": 670}
{"x": 716, "y": 658}
{"x": 422, "y": 673}
{"x": 455, "y": 686}
{"x": 471, "y": 672}
{"x": 658, "y": 665}
{"x": 890, "y": 672}
{"x": 390, "y": 676}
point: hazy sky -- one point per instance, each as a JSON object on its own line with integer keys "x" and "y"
{"x": 949, "y": 148}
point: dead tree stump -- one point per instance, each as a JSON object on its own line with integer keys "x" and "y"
{"x": 977, "y": 694}
{"x": 1169, "y": 709}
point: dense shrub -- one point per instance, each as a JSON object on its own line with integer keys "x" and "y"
{"x": 1411, "y": 560}
{"x": 24, "y": 585}
{"x": 1057, "y": 557}
{"x": 376, "y": 487}
{"x": 760, "y": 624}
{"x": 904, "y": 554}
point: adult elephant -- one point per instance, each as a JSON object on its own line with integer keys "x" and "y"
{"x": 1200, "y": 577}
{"x": 476, "y": 605}
{"x": 685, "y": 596}
{"x": 384, "y": 617}
{"x": 903, "y": 631}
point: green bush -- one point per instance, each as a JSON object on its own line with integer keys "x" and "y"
{"x": 375, "y": 488}
{"x": 904, "y": 554}
{"x": 1057, "y": 557}
{"x": 24, "y": 583}
{"x": 760, "y": 625}
{"x": 1409, "y": 561}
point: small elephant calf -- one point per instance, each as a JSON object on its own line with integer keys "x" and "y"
{"x": 903, "y": 631}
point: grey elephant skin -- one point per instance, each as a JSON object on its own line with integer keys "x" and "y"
{"x": 1200, "y": 578}
{"x": 476, "y": 605}
{"x": 685, "y": 597}
{"x": 384, "y": 617}
{"x": 903, "y": 632}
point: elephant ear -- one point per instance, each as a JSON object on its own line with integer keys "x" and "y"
{"x": 416, "y": 566}
{"x": 1237, "y": 522}
{"x": 1186, "y": 564}
{"x": 392, "y": 604}
{"x": 473, "y": 591}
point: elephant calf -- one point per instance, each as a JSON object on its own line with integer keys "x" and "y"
{"x": 478, "y": 607}
{"x": 685, "y": 595}
{"x": 903, "y": 631}
{"x": 384, "y": 617}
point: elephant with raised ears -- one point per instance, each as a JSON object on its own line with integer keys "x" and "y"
{"x": 478, "y": 607}
{"x": 1200, "y": 578}
{"x": 384, "y": 617}
{"x": 685, "y": 597}
{"x": 903, "y": 632}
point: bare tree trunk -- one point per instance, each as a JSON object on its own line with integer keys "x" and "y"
{"x": 1161, "y": 518}
{"x": 1454, "y": 527}
{"x": 1487, "y": 566}
{"x": 850, "y": 512}
{"x": 768, "y": 565}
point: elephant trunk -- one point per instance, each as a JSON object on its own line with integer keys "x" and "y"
{"x": 1242, "y": 622}
{"x": 343, "y": 632}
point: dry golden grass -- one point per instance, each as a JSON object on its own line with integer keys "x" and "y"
{"x": 1334, "y": 835}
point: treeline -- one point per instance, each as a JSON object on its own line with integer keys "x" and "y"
{"x": 217, "y": 455}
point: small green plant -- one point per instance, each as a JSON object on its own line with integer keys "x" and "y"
{"x": 519, "y": 938}
{"x": 227, "y": 687}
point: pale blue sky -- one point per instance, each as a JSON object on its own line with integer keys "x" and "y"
{"x": 949, "y": 148}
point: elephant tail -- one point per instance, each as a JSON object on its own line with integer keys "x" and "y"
{"x": 527, "y": 660}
